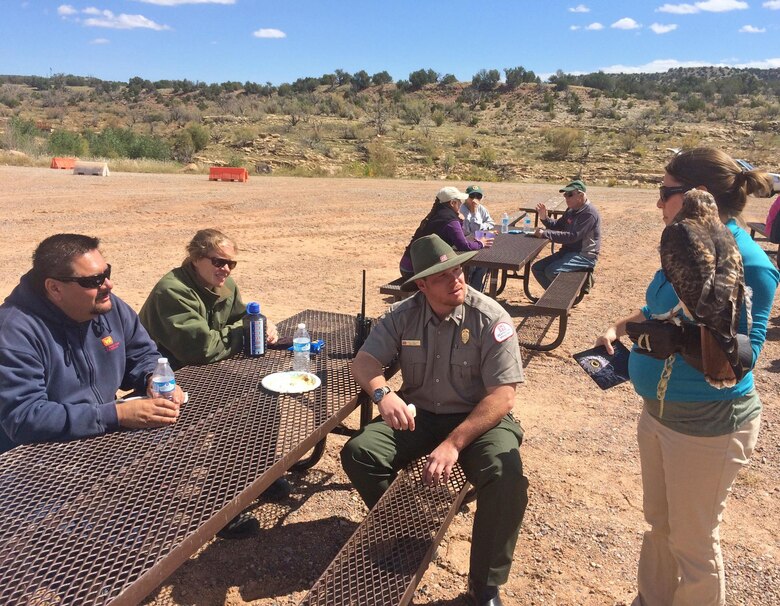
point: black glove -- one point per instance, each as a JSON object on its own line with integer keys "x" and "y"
{"x": 745, "y": 352}
{"x": 659, "y": 339}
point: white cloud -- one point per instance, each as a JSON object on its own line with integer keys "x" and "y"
{"x": 574, "y": 28}
{"x": 180, "y": 2}
{"x": 751, "y": 29}
{"x": 580, "y": 8}
{"x": 625, "y": 23}
{"x": 122, "y": 21}
{"x": 710, "y": 6}
{"x": 722, "y": 6}
{"x": 594, "y": 27}
{"x": 772, "y": 5}
{"x": 662, "y": 65}
{"x": 100, "y": 41}
{"x": 659, "y": 28}
{"x": 66, "y": 10}
{"x": 269, "y": 33}
{"x": 677, "y": 9}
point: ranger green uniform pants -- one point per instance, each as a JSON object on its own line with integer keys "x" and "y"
{"x": 491, "y": 463}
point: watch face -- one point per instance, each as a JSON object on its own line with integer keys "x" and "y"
{"x": 379, "y": 394}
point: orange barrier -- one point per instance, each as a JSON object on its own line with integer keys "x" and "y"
{"x": 63, "y": 162}
{"x": 228, "y": 173}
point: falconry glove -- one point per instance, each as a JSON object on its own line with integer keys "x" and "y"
{"x": 659, "y": 339}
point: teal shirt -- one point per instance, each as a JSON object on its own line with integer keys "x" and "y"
{"x": 686, "y": 384}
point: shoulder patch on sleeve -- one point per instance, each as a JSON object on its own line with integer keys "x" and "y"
{"x": 502, "y": 332}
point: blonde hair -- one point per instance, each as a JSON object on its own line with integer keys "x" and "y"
{"x": 726, "y": 180}
{"x": 205, "y": 242}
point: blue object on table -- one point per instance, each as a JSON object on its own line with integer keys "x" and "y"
{"x": 316, "y": 346}
{"x": 515, "y": 231}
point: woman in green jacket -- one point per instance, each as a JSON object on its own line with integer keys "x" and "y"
{"x": 194, "y": 313}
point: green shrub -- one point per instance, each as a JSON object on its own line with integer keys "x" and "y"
{"x": 66, "y": 143}
{"x": 487, "y": 156}
{"x": 381, "y": 160}
{"x": 562, "y": 140}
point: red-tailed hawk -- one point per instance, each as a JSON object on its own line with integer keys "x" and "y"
{"x": 701, "y": 260}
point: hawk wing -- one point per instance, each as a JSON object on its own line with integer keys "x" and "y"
{"x": 702, "y": 261}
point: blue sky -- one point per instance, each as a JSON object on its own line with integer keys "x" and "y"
{"x": 280, "y": 41}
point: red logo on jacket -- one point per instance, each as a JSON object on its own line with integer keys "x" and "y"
{"x": 108, "y": 343}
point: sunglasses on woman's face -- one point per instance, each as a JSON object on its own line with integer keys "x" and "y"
{"x": 476, "y": 196}
{"x": 666, "y": 192}
{"x": 220, "y": 262}
{"x": 89, "y": 281}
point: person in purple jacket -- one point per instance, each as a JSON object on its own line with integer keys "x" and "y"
{"x": 445, "y": 221}
{"x": 67, "y": 344}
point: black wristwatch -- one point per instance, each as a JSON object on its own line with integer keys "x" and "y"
{"x": 380, "y": 393}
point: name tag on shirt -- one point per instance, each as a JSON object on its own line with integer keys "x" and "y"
{"x": 410, "y": 342}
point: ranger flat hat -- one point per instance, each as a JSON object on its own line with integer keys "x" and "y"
{"x": 430, "y": 255}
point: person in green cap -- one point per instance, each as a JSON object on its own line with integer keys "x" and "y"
{"x": 578, "y": 231}
{"x": 461, "y": 363}
{"x": 475, "y": 218}
{"x": 475, "y": 215}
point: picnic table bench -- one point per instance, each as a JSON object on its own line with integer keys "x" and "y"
{"x": 565, "y": 291}
{"x": 384, "y": 560}
{"x": 393, "y": 289}
{"x": 760, "y": 228}
{"x": 756, "y": 227}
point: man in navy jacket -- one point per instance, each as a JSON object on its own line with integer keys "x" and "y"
{"x": 578, "y": 231}
{"x": 67, "y": 344}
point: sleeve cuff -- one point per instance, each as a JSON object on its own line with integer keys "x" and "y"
{"x": 108, "y": 417}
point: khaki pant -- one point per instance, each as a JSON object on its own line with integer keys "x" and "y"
{"x": 686, "y": 480}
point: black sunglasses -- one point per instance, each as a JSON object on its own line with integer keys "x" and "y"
{"x": 666, "y": 192}
{"x": 89, "y": 281}
{"x": 569, "y": 194}
{"x": 476, "y": 196}
{"x": 220, "y": 262}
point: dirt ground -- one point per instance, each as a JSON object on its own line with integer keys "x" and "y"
{"x": 303, "y": 243}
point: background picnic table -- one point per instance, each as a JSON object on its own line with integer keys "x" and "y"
{"x": 302, "y": 244}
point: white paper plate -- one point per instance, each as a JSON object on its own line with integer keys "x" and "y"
{"x": 291, "y": 382}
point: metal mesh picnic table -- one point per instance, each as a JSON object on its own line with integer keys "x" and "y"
{"x": 105, "y": 520}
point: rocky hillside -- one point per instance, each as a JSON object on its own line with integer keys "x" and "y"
{"x": 529, "y": 133}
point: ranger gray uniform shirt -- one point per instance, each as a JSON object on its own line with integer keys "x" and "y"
{"x": 447, "y": 365}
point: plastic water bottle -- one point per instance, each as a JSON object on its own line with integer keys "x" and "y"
{"x": 505, "y": 223}
{"x": 527, "y": 224}
{"x": 163, "y": 380}
{"x": 255, "y": 332}
{"x": 301, "y": 349}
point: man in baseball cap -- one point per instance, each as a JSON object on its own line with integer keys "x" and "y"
{"x": 460, "y": 363}
{"x": 578, "y": 231}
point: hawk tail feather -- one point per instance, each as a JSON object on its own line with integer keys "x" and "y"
{"x": 718, "y": 357}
